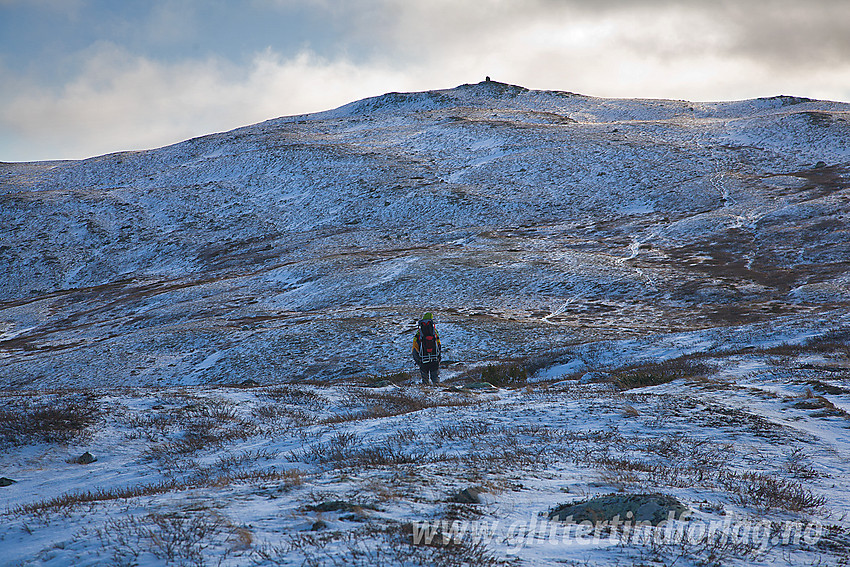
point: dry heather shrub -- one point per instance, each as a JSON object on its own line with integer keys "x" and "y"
{"x": 836, "y": 341}
{"x": 349, "y": 450}
{"x": 461, "y": 430}
{"x": 269, "y": 412}
{"x": 377, "y": 546}
{"x": 97, "y": 495}
{"x": 294, "y": 395}
{"x": 811, "y": 401}
{"x": 199, "y": 425}
{"x": 798, "y": 464}
{"x": 206, "y": 434}
{"x": 288, "y": 479}
{"x": 396, "y": 378}
{"x": 769, "y": 492}
{"x": 826, "y": 388}
{"x": 388, "y": 404}
{"x": 48, "y": 421}
{"x": 233, "y": 464}
{"x": 242, "y": 538}
{"x": 653, "y": 374}
{"x": 506, "y": 375}
{"x": 174, "y": 539}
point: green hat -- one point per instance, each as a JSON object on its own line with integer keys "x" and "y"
{"x": 427, "y": 316}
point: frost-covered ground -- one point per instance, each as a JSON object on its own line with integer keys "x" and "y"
{"x": 659, "y": 286}
{"x": 754, "y": 443}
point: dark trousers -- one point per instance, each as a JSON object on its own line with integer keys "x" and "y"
{"x": 430, "y": 370}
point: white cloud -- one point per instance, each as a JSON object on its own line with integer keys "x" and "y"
{"x": 121, "y": 101}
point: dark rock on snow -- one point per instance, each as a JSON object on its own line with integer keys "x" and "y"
{"x": 85, "y": 459}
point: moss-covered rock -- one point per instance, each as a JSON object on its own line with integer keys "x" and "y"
{"x": 637, "y": 508}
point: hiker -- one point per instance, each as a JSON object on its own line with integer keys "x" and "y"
{"x": 426, "y": 349}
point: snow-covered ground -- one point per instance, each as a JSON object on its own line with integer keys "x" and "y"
{"x": 670, "y": 276}
{"x": 754, "y": 443}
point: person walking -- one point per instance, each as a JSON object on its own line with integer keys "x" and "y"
{"x": 427, "y": 349}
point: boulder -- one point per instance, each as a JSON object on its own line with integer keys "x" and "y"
{"x": 636, "y": 508}
{"x": 471, "y": 495}
{"x": 85, "y": 459}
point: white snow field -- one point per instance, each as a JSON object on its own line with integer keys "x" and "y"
{"x": 640, "y": 298}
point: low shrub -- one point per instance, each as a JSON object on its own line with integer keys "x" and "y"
{"x": 505, "y": 375}
{"x": 770, "y": 492}
{"x": 58, "y": 420}
{"x": 345, "y": 449}
{"x": 657, "y": 373}
{"x": 380, "y": 404}
{"x": 382, "y": 380}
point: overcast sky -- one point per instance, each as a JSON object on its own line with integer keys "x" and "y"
{"x": 80, "y": 78}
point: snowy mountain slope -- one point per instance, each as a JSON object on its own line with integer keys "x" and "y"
{"x": 304, "y": 246}
{"x": 670, "y": 278}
